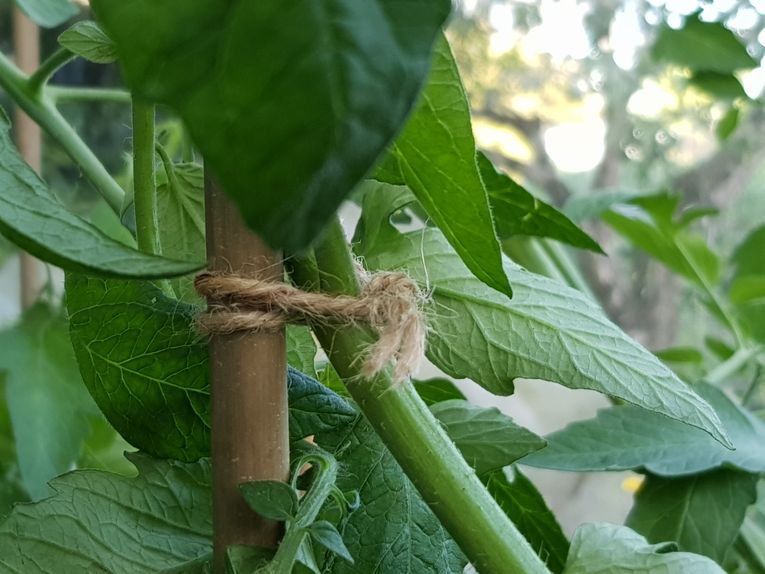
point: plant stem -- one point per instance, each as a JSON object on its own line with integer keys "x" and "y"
{"x": 563, "y": 262}
{"x": 415, "y": 438}
{"x": 728, "y": 368}
{"x": 144, "y": 178}
{"x": 65, "y": 95}
{"x": 248, "y": 377}
{"x": 41, "y": 109}
{"x": 56, "y": 61}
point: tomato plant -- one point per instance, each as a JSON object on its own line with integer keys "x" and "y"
{"x": 297, "y": 107}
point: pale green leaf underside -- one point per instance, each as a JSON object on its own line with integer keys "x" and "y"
{"x": 88, "y": 40}
{"x": 608, "y": 549}
{"x": 546, "y": 331}
{"x": 626, "y": 437}
{"x": 34, "y": 219}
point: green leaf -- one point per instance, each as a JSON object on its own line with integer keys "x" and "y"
{"x": 181, "y": 209}
{"x": 627, "y": 437}
{"x": 271, "y": 499}
{"x": 35, "y": 220}
{"x": 502, "y": 339}
{"x": 435, "y": 158}
{"x": 525, "y": 506}
{"x": 583, "y": 207}
{"x": 703, "y": 46}
{"x": 102, "y": 522}
{"x": 608, "y": 549}
{"x": 727, "y": 124}
{"x": 747, "y": 257}
{"x": 518, "y": 212}
{"x": 48, "y": 13}
{"x": 680, "y": 355}
{"x": 362, "y": 63}
{"x": 701, "y": 513}
{"x": 753, "y": 528}
{"x": 488, "y": 439}
{"x": 241, "y": 559}
{"x": 438, "y": 390}
{"x": 146, "y": 368}
{"x": 719, "y": 86}
{"x": 325, "y": 533}
{"x": 88, "y": 40}
{"x": 301, "y": 349}
{"x": 393, "y": 530}
{"x": 49, "y": 407}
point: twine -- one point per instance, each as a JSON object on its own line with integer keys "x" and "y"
{"x": 389, "y": 302}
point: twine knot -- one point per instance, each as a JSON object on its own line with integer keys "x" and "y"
{"x": 389, "y": 302}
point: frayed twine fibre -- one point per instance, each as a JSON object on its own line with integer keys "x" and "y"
{"x": 390, "y": 303}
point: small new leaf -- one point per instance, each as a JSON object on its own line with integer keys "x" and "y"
{"x": 325, "y": 533}
{"x": 271, "y": 499}
{"x": 89, "y": 41}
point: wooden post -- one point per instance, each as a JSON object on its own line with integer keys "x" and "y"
{"x": 248, "y": 372}
{"x": 26, "y": 48}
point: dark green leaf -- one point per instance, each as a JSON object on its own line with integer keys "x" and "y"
{"x": 627, "y": 437}
{"x": 48, "y": 404}
{"x": 48, "y": 13}
{"x": 37, "y": 221}
{"x": 747, "y": 257}
{"x": 393, "y": 531}
{"x": 609, "y": 549}
{"x": 719, "y": 348}
{"x": 147, "y": 369}
{"x": 517, "y": 212}
{"x": 502, "y": 339}
{"x": 325, "y": 533}
{"x": 88, "y": 40}
{"x": 435, "y": 158}
{"x": 525, "y": 506}
{"x": 434, "y": 391}
{"x": 582, "y": 207}
{"x": 703, "y": 46}
{"x": 271, "y": 499}
{"x": 727, "y": 124}
{"x": 362, "y": 63}
{"x": 701, "y": 513}
{"x": 488, "y": 439}
{"x": 102, "y": 522}
{"x": 719, "y": 86}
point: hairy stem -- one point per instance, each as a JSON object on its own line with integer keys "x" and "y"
{"x": 41, "y": 109}
{"x": 55, "y": 62}
{"x": 417, "y": 441}
{"x": 65, "y": 95}
{"x": 144, "y": 180}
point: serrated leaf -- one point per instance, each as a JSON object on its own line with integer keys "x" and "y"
{"x": 701, "y": 513}
{"x": 393, "y": 530}
{"x": 364, "y": 63}
{"x": 437, "y": 390}
{"x": 518, "y": 212}
{"x": 525, "y": 506}
{"x": 435, "y": 157}
{"x": 487, "y": 439}
{"x": 271, "y": 499}
{"x": 88, "y": 40}
{"x": 325, "y": 533}
{"x": 48, "y": 404}
{"x": 143, "y": 363}
{"x": 625, "y": 437}
{"x": 48, "y": 13}
{"x": 608, "y": 549}
{"x": 705, "y": 46}
{"x": 35, "y": 220}
{"x": 102, "y": 522}
{"x": 502, "y": 339}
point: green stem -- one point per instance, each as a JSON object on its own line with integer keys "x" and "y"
{"x": 66, "y": 95}
{"x": 563, "y": 262}
{"x": 415, "y": 438}
{"x": 45, "y": 72}
{"x": 41, "y": 109}
{"x": 727, "y": 369}
{"x": 144, "y": 178}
